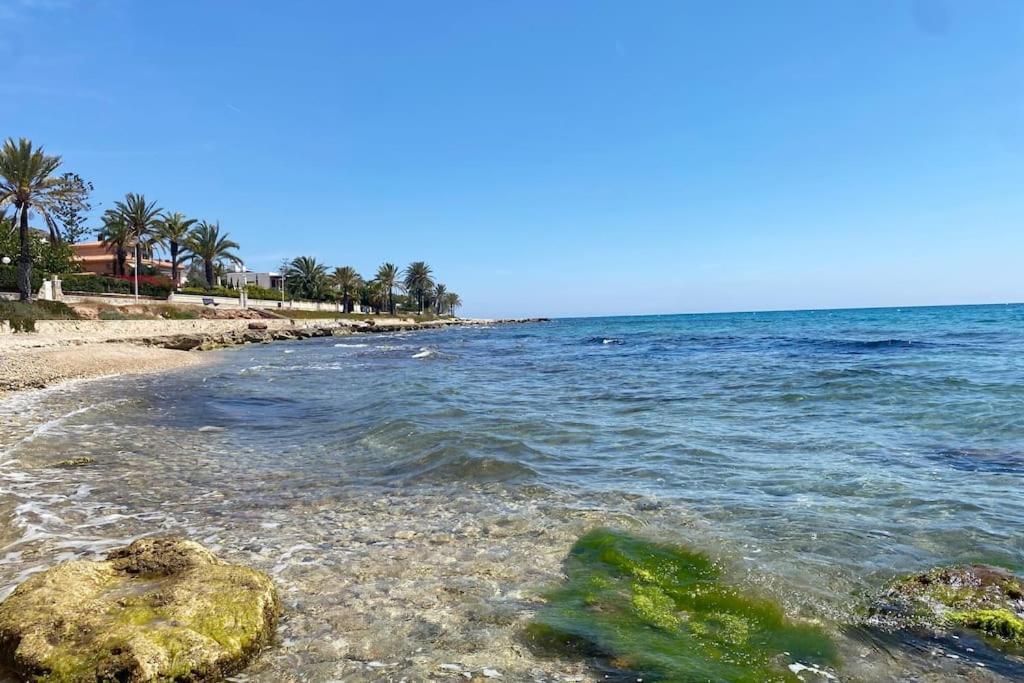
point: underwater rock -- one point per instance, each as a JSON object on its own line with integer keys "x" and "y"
{"x": 661, "y": 612}
{"x": 80, "y": 461}
{"x": 159, "y": 609}
{"x": 986, "y": 599}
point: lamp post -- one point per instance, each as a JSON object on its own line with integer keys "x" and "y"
{"x": 138, "y": 257}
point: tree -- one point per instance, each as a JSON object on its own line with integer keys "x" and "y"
{"x": 347, "y": 281}
{"x": 307, "y": 278}
{"x": 117, "y": 237}
{"x": 27, "y": 184}
{"x": 440, "y": 291}
{"x": 173, "y": 232}
{"x": 71, "y": 210}
{"x": 418, "y": 281}
{"x": 206, "y": 244}
{"x": 142, "y": 219}
{"x": 387, "y": 276}
{"x": 451, "y": 302}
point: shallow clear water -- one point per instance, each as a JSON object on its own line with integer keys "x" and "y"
{"x": 414, "y": 493}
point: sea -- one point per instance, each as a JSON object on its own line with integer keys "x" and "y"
{"x": 415, "y": 494}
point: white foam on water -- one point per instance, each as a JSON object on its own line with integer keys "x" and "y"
{"x": 797, "y": 668}
{"x": 425, "y": 353}
{"x": 351, "y": 346}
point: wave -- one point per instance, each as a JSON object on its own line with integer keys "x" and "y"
{"x": 425, "y": 353}
{"x": 605, "y": 341}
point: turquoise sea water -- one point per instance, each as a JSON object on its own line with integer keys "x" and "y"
{"x": 817, "y": 453}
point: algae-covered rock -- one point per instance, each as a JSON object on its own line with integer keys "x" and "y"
{"x": 662, "y": 612}
{"x": 161, "y": 609}
{"x": 80, "y": 461}
{"x": 986, "y": 599}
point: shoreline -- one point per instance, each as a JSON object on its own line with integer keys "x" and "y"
{"x": 66, "y": 350}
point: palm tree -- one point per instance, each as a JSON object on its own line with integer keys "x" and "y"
{"x": 373, "y": 294}
{"x": 418, "y": 281}
{"x": 142, "y": 219}
{"x": 206, "y": 244}
{"x": 116, "y": 237}
{"x": 27, "y": 183}
{"x": 347, "y": 281}
{"x": 173, "y": 232}
{"x": 451, "y": 302}
{"x": 307, "y": 278}
{"x": 440, "y": 291}
{"x": 387, "y": 276}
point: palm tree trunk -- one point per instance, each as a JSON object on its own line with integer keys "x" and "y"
{"x": 24, "y": 258}
{"x": 208, "y": 267}
{"x": 174, "y": 264}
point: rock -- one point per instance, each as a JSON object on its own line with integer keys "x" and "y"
{"x": 184, "y": 342}
{"x": 662, "y": 612}
{"x": 981, "y": 598}
{"x": 80, "y": 461}
{"x": 159, "y": 609}
{"x": 258, "y": 325}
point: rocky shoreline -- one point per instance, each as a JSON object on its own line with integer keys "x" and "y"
{"x": 258, "y": 332}
{"x": 64, "y": 350}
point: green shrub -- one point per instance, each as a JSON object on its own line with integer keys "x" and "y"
{"x": 257, "y": 292}
{"x": 23, "y": 316}
{"x": 101, "y": 284}
{"x": 9, "y": 279}
{"x": 216, "y": 291}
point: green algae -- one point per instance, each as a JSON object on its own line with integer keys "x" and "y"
{"x": 663, "y": 612}
{"x": 159, "y": 610}
{"x": 998, "y": 623}
{"x": 981, "y": 598}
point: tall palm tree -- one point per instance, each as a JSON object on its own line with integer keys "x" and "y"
{"x": 347, "y": 281}
{"x": 173, "y": 232}
{"x": 142, "y": 219}
{"x": 451, "y": 302}
{"x": 28, "y": 183}
{"x": 116, "y": 237}
{"x": 418, "y": 281}
{"x": 387, "y": 276}
{"x": 440, "y": 292}
{"x": 206, "y": 244}
{"x": 307, "y": 278}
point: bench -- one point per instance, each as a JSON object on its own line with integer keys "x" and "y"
{"x": 207, "y": 301}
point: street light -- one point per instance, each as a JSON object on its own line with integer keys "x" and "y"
{"x": 6, "y": 260}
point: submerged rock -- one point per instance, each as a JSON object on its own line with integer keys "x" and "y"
{"x": 159, "y": 609}
{"x": 80, "y": 461}
{"x": 981, "y": 598}
{"x": 662, "y": 612}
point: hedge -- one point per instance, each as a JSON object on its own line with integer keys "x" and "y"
{"x": 257, "y": 292}
{"x": 216, "y": 291}
{"x": 101, "y": 284}
{"x": 9, "y": 279}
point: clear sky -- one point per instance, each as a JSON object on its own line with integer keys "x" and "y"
{"x": 557, "y": 157}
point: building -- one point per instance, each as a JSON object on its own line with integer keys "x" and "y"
{"x": 248, "y": 277}
{"x": 95, "y": 257}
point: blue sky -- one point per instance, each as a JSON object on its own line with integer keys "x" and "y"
{"x": 560, "y": 158}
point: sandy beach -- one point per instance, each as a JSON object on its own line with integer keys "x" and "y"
{"x": 41, "y": 366}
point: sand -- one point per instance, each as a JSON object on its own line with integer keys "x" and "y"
{"x": 35, "y": 367}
